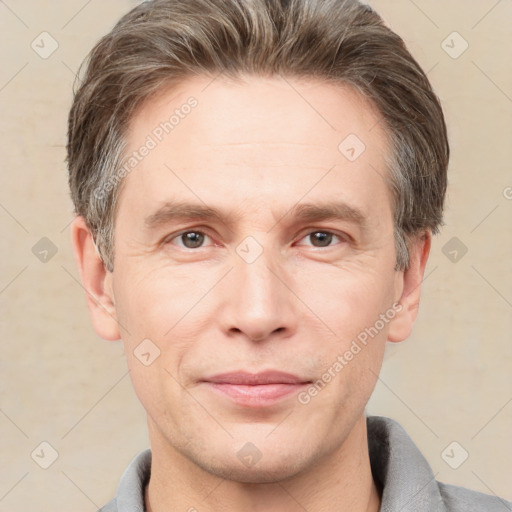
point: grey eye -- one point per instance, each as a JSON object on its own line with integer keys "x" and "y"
{"x": 192, "y": 239}
{"x": 323, "y": 238}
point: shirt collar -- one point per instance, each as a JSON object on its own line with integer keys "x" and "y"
{"x": 405, "y": 476}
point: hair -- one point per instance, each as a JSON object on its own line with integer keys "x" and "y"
{"x": 161, "y": 43}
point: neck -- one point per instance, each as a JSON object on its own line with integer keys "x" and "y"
{"x": 342, "y": 481}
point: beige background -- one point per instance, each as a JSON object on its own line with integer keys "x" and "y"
{"x": 60, "y": 383}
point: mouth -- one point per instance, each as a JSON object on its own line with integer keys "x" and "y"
{"x": 256, "y": 389}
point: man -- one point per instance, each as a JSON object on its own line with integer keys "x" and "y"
{"x": 256, "y": 184}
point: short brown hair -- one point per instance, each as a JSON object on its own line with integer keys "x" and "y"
{"x": 162, "y": 42}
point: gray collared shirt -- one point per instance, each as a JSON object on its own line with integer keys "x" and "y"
{"x": 407, "y": 481}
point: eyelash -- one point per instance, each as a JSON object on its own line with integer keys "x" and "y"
{"x": 197, "y": 231}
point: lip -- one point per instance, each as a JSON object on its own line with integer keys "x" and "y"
{"x": 256, "y": 389}
{"x": 254, "y": 379}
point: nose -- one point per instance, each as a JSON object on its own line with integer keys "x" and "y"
{"x": 258, "y": 300}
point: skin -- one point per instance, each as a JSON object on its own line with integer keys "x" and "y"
{"x": 255, "y": 148}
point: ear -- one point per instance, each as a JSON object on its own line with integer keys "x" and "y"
{"x": 96, "y": 280}
{"x": 409, "y": 282}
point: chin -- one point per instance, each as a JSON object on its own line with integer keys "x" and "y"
{"x": 259, "y": 474}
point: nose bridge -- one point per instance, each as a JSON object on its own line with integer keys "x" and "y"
{"x": 258, "y": 301}
{"x": 257, "y": 271}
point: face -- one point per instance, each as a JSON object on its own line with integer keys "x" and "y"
{"x": 290, "y": 263}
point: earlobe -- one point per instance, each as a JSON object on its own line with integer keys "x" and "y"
{"x": 96, "y": 280}
{"x": 411, "y": 279}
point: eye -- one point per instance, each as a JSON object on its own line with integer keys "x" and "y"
{"x": 322, "y": 238}
{"x": 189, "y": 239}
{"x": 194, "y": 239}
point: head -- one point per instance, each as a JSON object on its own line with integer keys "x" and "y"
{"x": 209, "y": 144}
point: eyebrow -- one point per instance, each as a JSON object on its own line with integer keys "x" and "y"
{"x": 305, "y": 212}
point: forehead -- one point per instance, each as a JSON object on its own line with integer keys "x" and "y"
{"x": 230, "y": 110}
{"x": 255, "y": 141}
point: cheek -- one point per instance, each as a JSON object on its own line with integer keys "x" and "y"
{"x": 160, "y": 311}
{"x": 357, "y": 309}
{"x": 347, "y": 298}
{"x": 155, "y": 302}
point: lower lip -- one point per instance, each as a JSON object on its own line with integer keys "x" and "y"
{"x": 256, "y": 395}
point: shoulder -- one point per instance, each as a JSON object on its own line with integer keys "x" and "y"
{"x": 460, "y": 499}
{"x": 407, "y": 480}
{"x": 130, "y": 491}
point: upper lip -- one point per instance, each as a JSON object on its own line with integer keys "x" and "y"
{"x": 254, "y": 379}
